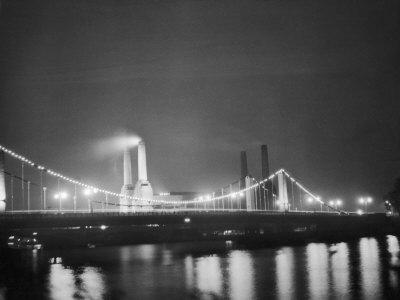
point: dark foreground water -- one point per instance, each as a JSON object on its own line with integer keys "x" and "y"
{"x": 367, "y": 268}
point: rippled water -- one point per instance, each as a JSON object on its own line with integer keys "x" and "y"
{"x": 367, "y": 268}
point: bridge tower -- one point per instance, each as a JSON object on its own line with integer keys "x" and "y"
{"x": 282, "y": 192}
{"x": 264, "y": 162}
{"x": 2, "y": 183}
{"x": 249, "y": 195}
{"x": 127, "y": 188}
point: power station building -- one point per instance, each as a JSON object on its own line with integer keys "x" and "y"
{"x": 142, "y": 187}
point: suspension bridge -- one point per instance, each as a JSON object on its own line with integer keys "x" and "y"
{"x": 61, "y": 210}
{"x": 46, "y": 191}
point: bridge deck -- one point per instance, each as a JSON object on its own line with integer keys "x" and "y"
{"x": 86, "y": 214}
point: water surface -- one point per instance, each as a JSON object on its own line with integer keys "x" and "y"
{"x": 367, "y": 268}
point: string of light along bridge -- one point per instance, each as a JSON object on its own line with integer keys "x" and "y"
{"x": 210, "y": 198}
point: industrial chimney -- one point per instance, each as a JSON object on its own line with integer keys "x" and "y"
{"x": 142, "y": 165}
{"x": 127, "y": 188}
{"x": 143, "y": 187}
{"x": 264, "y": 162}
{"x": 127, "y": 168}
{"x": 243, "y": 164}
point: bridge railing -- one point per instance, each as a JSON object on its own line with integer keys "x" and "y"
{"x": 187, "y": 212}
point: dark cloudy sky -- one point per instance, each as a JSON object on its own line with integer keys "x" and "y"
{"x": 200, "y": 80}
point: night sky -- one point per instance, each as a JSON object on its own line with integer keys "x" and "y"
{"x": 201, "y": 80}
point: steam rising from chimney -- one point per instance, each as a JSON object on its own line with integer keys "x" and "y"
{"x": 116, "y": 144}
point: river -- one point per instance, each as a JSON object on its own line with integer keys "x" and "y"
{"x": 365, "y": 268}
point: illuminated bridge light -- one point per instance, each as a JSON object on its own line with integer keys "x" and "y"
{"x": 202, "y": 199}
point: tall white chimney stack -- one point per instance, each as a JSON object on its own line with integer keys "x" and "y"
{"x": 127, "y": 168}
{"x": 127, "y": 188}
{"x": 142, "y": 166}
{"x": 143, "y": 187}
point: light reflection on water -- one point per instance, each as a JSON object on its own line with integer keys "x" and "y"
{"x": 208, "y": 276}
{"x": 65, "y": 283}
{"x": 339, "y": 264}
{"x": 93, "y": 285}
{"x": 370, "y": 268}
{"x": 241, "y": 275}
{"x": 367, "y": 269}
{"x": 285, "y": 273}
{"x": 61, "y": 282}
{"x": 393, "y": 249}
{"x": 318, "y": 271}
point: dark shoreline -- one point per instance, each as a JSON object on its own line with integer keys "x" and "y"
{"x": 243, "y": 229}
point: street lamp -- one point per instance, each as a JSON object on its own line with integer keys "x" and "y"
{"x": 60, "y": 196}
{"x": 365, "y": 201}
{"x": 369, "y": 200}
{"x": 331, "y": 204}
{"x": 389, "y": 207}
{"x": 88, "y": 192}
{"x": 338, "y": 203}
{"x": 311, "y": 201}
{"x": 44, "y": 198}
{"x": 362, "y": 201}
